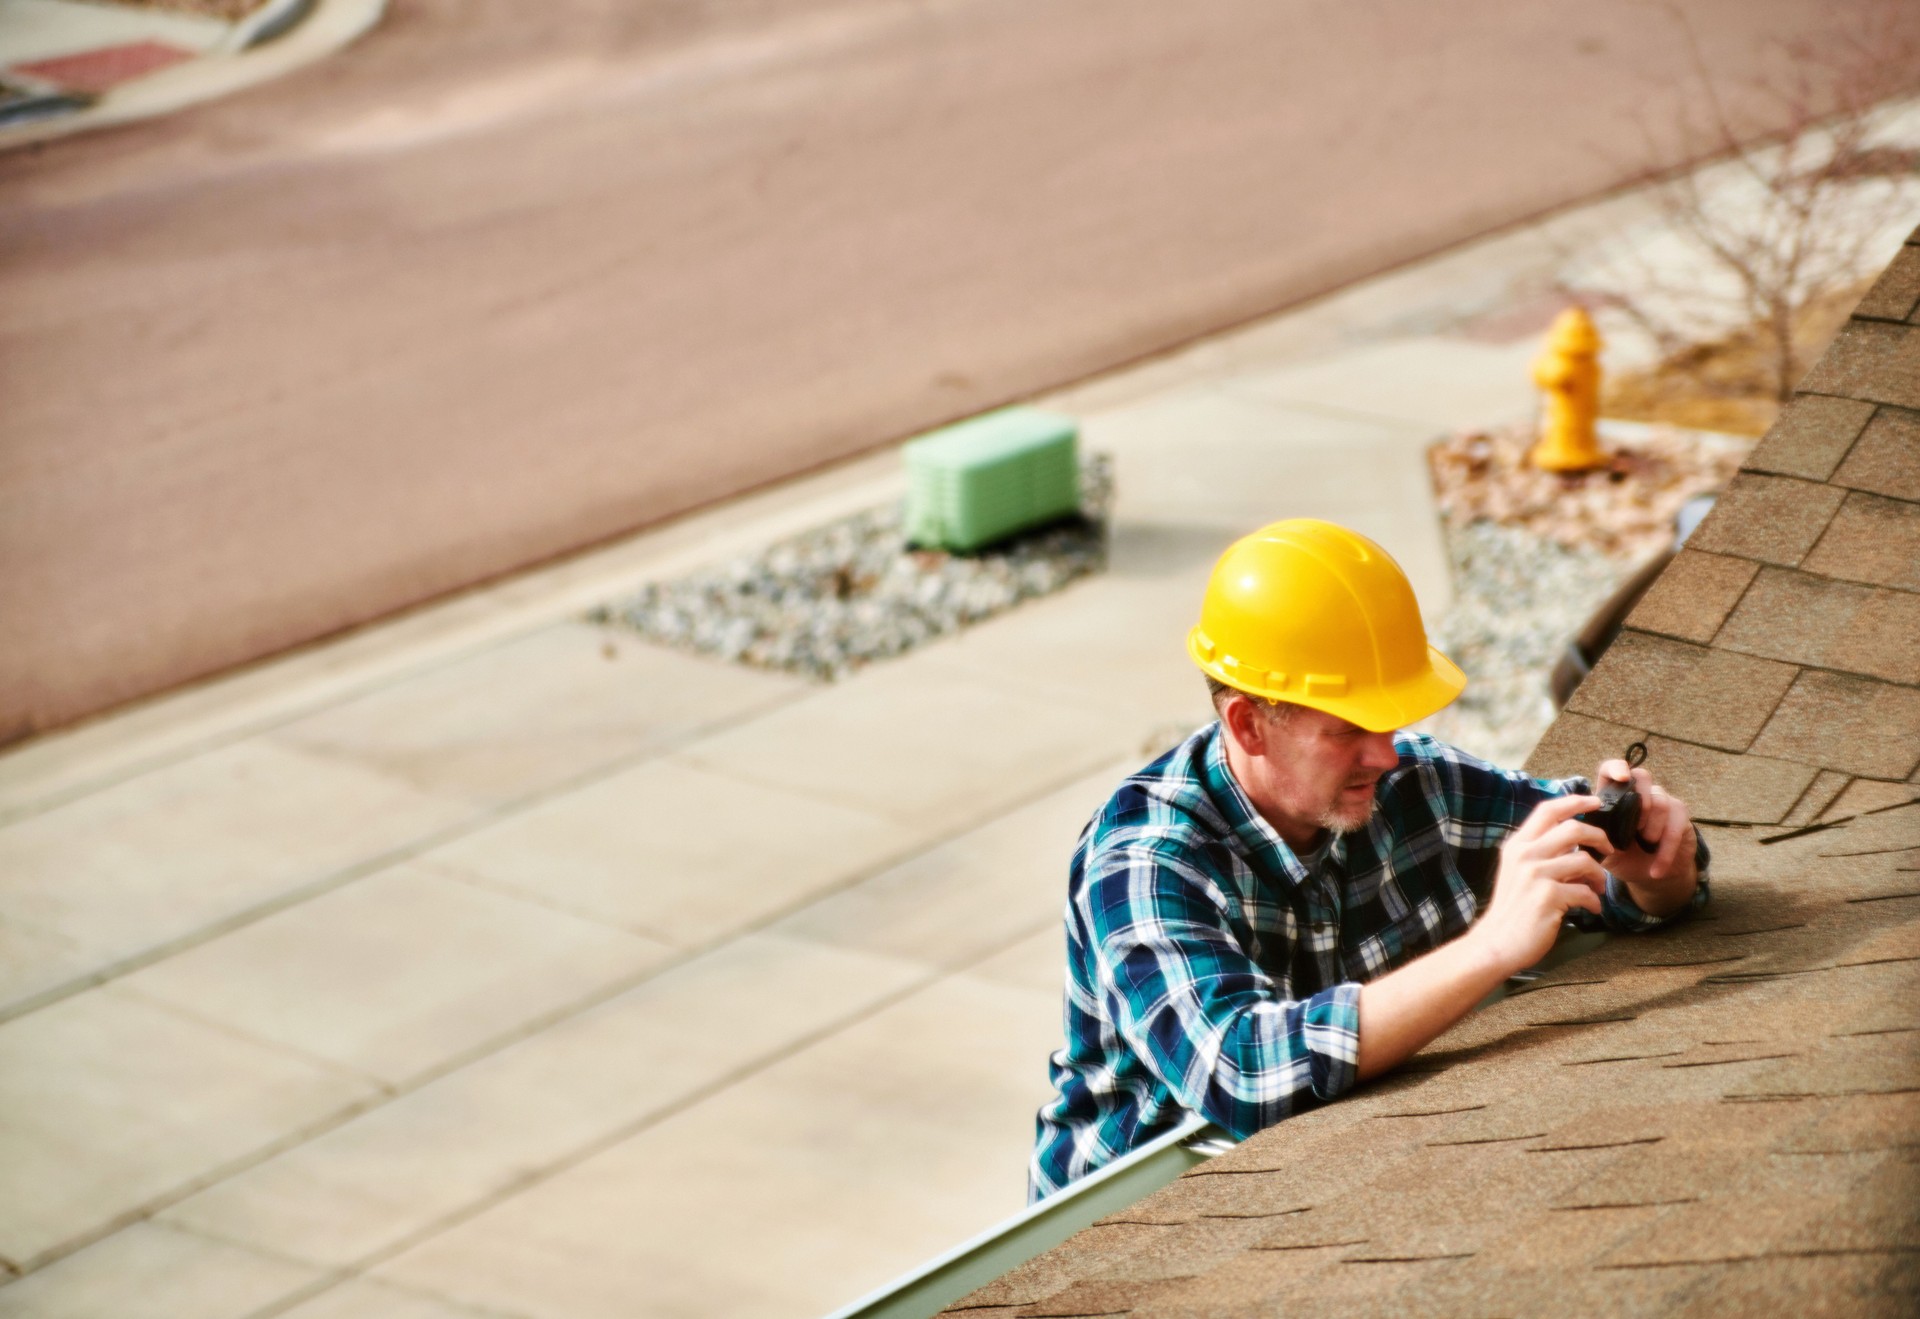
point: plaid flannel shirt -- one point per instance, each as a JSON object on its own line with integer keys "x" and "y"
{"x": 1212, "y": 970}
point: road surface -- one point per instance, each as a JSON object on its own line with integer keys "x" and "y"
{"x": 505, "y": 280}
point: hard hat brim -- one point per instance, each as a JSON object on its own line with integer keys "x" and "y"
{"x": 1378, "y": 710}
{"x": 1404, "y": 703}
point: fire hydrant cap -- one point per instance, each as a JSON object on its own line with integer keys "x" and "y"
{"x": 1309, "y": 612}
{"x": 1573, "y": 332}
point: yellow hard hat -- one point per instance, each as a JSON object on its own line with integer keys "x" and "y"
{"x": 1309, "y": 612}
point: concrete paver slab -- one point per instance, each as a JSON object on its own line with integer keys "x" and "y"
{"x": 158, "y": 858}
{"x": 397, "y": 973}
{"x": 477, "y": 1133}
{"x": 107, "y": 1101}
{"x": 516, "y": 718}
{"x": 147, "y": 1271}
{"x": 675, "y": 851}
{"x": 929, "y": 747}
{"x": 362, "y": 1298}
{"x": 1114, "y": 642}
{"x": 719, "y": 1211}
{"x": 957, "y": 902}
{"x": 1439, "y": 382}
{"x": 1037, "y": 962}
{"x": 1231, "y": 459}
{"x": 1232, "y": 454}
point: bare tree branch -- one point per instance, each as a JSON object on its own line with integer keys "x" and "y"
{"x": 1788, "y": 221}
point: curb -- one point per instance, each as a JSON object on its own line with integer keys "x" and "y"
{"x": 278, "y": 38}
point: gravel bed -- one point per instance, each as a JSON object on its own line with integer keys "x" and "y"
{"x": 829, "y": 601}
{"x": 1519, "y": 597}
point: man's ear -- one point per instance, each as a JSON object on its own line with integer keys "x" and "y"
{"x": 1246, "y": 723}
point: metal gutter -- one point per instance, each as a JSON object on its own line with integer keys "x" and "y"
{"x": 972, "y": 1264}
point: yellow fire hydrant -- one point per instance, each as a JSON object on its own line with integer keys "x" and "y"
{"x": 1568, "y": 373}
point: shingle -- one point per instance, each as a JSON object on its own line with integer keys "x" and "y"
{"x": 1648, "y": 1176}
{"x": 1844, "y": 722}
{"x": 1713, "y": 697}
{"x": 1818, "y": 796}
{"x": 1877, "y": 1285}
{"x": 1896, "y": 293}
{"x": 1867, "y": 795}
{"x": 1085, "y": 1299}
{"x": 1190, "y": 1198}
{"x": 1827, "y": 624}
{"x": 1775, "y": 519}
{"x": 1575, "y": 744}
{"x": 1871, "y": 360}
{"x": 1253, "y": 1283}
{"x": 1556, "y": 1284}
{"x": 1705, "y": 1231}
{"x": 1719, "y": 786}
{"x": 1096, "y": 1250}
{"x": 1871, "y": 539}
{"x": 1563, "y": 1239}
{"x": 1860, "y": 1122}
{"x": 1842, "y": 1069}
{"x": 1693, "y": 596}
{"x": 1324, "y": 1229}
{"x": 1812, "y": 435}
{"x": 1886, "y": 457}
{"x": 1413, "y": 1237}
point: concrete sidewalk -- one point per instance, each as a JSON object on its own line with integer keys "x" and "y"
{"x": 492, "y": 962}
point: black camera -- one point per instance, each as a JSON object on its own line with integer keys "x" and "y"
{"x": 1619, "y": 814}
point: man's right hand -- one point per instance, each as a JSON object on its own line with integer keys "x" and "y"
{"x": 1543, "y": 875}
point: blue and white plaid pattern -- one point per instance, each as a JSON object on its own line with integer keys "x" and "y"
{"x": 1212, "y": 970}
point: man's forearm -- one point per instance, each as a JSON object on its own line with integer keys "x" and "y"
{"x": 1404, "y": 1010}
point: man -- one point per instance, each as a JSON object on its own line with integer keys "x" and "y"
{"x": 1298, "y": 897}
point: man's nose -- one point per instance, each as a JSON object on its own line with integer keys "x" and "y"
{"x": 1377, "y": 752}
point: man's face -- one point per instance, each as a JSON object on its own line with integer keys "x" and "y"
{"x": 1311, "y": 770}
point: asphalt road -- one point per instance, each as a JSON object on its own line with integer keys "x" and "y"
{"x": 504, "y": 280}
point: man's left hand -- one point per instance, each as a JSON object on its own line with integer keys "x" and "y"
{"x": 1660, "y": 881}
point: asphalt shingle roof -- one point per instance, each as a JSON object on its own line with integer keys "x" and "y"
{"x": 1721, "y": 1118}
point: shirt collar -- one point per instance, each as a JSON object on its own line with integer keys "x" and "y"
{"x": 1265, "y": 850}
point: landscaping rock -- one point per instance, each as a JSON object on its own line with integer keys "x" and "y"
{"x": 829, "y": 601}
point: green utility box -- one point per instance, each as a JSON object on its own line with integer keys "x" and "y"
{"x": 983, "y": 479}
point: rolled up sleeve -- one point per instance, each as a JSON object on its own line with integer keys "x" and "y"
{"x": 1619, "y": 912}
